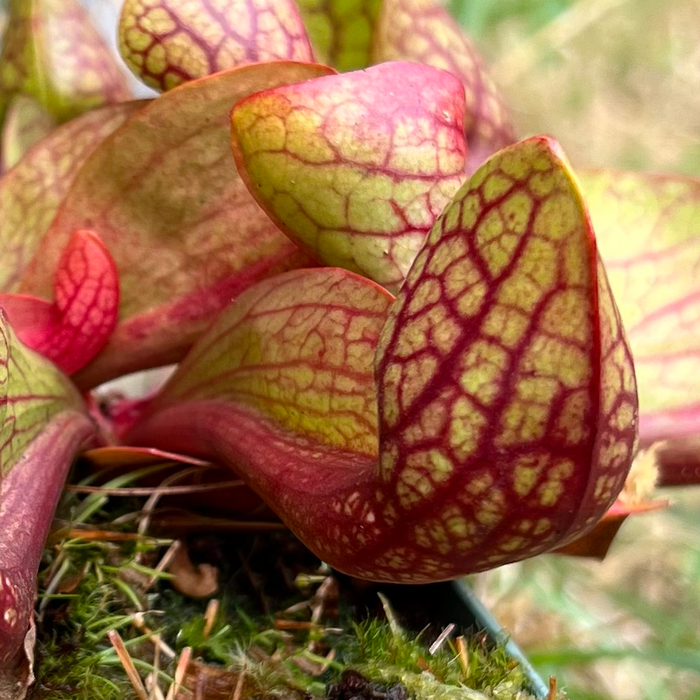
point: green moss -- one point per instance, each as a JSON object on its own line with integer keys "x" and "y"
{"x": 97, "y": 586}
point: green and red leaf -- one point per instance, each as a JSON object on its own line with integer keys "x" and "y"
{"x": 507, "y": 397}
{"x": 75, "y": 327}
{"x": 166, "y": 43}
{"x": 424, "y": 31}
{"x": 356, "y": 167}
{"x": 43, "y": 424}
{"x": 52, "y": 52}
{"x": 186, "y": 236}
{"x": 32, "y": 191}
{"x": 648, "y": 231}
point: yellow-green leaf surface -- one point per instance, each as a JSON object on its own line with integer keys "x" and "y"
{"x": 163, "y": 194}
{"x": 424, "y": 31}
{"x": 504, "y": 375}
{"x": 648, "y": 231}
{"x": 341, "y": 30}
{"x": 168, "y": 42}
{"x": 297, "y": 349}
{"x": 26, "y": 123}
{"x": 356, "y": 167}
{"x": 32, "y": 393}
{"x": 507, "y": 402}
{"x": 281, "y": 389}
{"x": 31, "y": 192}
{"x": 52, "y": 52}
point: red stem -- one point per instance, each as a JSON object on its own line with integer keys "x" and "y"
{"x": 28, "y": 499}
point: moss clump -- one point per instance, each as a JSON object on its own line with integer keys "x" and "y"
{"x": 280, "y": 627}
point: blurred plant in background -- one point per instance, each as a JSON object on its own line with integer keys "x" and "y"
{"x": 617, "y": 83}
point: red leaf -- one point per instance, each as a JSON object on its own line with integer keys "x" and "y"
{"x": 71, "y": 331}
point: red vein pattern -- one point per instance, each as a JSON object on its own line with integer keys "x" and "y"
{"x": 507, "y": 399}
{"x": 31, "y": 192}
{"x": 297, "y": 348}
{"x": 72, "y": 330}
{"x": 168, "y": 42}
{"x": 508, "y": 409}
{"x": 424, "y": 31}
{"x": 32, "y": 392}
{"x": 356, "y": 167}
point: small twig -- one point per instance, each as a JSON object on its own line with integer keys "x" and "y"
{"x": 98, "y": 535}
{"x": 435, "y": 646}
{"x": 152, "y": 502}
{"x": 297, "y": 607}
{"x": 155, "y": 638}
{"x": 165, "y": 560}
{"x": 128, "y": 664}
{"x": 281, "y": 624}
{"x": 238, "y": 690}
{"x": 182, "y": 664}
{"x": 154, "y": 490}
{"x": 462, "y": 656}
{"x": 552, "y": 688}
{"x": 155, "y": 692}
{"x": 210, "y": 617}
{"x": 319, "y": 601}
{"x": 394, "y": 625}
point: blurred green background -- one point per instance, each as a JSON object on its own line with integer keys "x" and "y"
{"x": 617, "y": 82}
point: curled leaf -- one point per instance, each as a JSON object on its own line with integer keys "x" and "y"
{"x": 288, "y": 365}
{"x": 31, "y": 192}
{"x": 72, "y": 330}
{"x": 52, "y": 52}
{"x": 507, "y": 401}
{"x": 504, "y": 375}
{"x": 27, "y": 122}
{"x": 185, "y": 234}
{"x": 648, "y": 230}
{"x": 166, "y": 43}
{"x": 356, "y": 167}
{"x": 424, "y": 31}
{"x": 43, "y": 424}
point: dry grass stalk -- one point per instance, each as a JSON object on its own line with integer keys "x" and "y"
{"x": 163, "y": 564}
{"x": 462, "y": 656}
{"x": 437, "y": 644}
{"x": 158, "y": 491}
{"x": 128, "y": 664}
{"x": 155, "y": 638}
{"x": 210, "y": 617}
{"x": 182, "y": 664}
{"x": 238, "y": 690}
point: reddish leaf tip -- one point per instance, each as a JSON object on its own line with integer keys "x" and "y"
{"x": 71, "y": 331}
